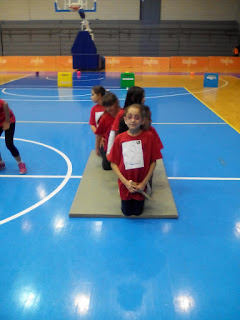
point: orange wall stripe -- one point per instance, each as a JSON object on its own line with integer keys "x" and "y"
{"x": 158, "y": 64}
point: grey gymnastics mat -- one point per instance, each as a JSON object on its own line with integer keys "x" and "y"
{"x": 97, "y": 194}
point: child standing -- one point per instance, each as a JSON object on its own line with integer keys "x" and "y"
{"x": 7, "y": 124}
{"x": 97, "y": 94}
{"x": 111, "y": 105}
{"x": 135, "y": 95}
{"x": 133, "y": 159}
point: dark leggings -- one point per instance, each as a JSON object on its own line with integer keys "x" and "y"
{"x": 9, "y": 133}
{"x": 105, "y": 163}
{"x": 132, "y": 207}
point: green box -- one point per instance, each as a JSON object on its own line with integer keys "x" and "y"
{"x": 127, "y": 80}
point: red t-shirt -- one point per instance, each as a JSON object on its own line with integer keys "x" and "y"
{"x": 104, "y": 127}
{"x": 2, "y": 114}
{"x": 96, "y": 113}
{"x": 157, "y": 140}
{"x": 120, "y": 154}
{"x": 115, "y": 126}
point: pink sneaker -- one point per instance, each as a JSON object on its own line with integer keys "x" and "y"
{"x": 2, "y": 165}
{"x": 22, "y": 168}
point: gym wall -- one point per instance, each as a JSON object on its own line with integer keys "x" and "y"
{"x": 208, "y": 10}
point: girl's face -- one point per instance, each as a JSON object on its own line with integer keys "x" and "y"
{"x": 112, "y": 110}
{"x": 95, "y": 96}
{"x": 133, "y": 119}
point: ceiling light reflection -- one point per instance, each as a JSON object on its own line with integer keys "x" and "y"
{"x": 237, "y": 230}
{"x": 29, "y": 299}
{"x": 184, "y": 303}
{"x": 81, "y": 302}
{"x": 166, "y": 227}
{"x": 26, "y": 226}
{"x": 97, "y": 226}
{"x": 59, "y": 224}
{"x": 41, "y": 191}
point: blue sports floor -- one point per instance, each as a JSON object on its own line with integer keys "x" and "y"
{"x": 60, "y": 268}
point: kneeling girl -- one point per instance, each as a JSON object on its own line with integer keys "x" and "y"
{"x": 133, "y": 159}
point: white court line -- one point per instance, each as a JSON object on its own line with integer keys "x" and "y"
{"x": 204, "y": 178}
{"x": 76, "y": 79}
{"x": 59, "y": 95}
{"x": 18, "y": 78}
{"x": 79, "y": 177}
{"x": 189, "y": 123}
{"x": 37, "y": 176}
{"x": 155, "y": 123}
{"x": 53, "y": 122}
{"x": 123, "y": 99}
{"x": 53, "y": 193}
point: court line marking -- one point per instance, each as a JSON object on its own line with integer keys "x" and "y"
{"x": 71, "y": 96}
{"x": 155, "y": 123}
{"x": 75, "y": 79}
{"x": 80, "y": 177}
{"x": 59, "y": 95}
{"x": 62, "y": 184}
{"x": 121, "y": 99}
{"x": 204, "y": 178}
{"x": 214, "y": 111}
{"x": 17, "y": 79}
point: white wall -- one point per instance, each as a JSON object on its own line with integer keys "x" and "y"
{"x": 44, "y": 10}
{"x": 211, "y": 10}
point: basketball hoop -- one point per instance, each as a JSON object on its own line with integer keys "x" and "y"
{"x": 74, "y": 7}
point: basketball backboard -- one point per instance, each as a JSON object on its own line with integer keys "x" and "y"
{"x": 85, "y": 5}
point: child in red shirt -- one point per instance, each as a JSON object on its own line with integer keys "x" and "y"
{"x": 157, "y": 141}
{"x": 133, "y": 159}
{"x": 97, "y": 94}
{"x": 7, "y": 124}
{"x": 111, "y": 105}
{"x": 134, "y": 95}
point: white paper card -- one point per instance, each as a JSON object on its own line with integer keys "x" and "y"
{"x": 132, "y": 154}
{"x": 98, "y": 116}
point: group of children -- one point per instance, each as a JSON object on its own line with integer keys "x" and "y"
{"x": 127, "y": 143}
{"x": 125, "y": 140}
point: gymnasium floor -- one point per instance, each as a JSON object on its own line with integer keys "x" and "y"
{"x": 56, "y": 267}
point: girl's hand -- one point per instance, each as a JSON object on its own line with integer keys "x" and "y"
{"x": 6, "y": 125}
{"x": 102, "y": 142}
{"x": 141, "y": 186}
{"x": 131, "y": 186}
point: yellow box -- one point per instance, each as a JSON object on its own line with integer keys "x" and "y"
{"x": 64, "y": 79}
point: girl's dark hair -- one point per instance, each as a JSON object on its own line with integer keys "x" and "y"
{"x": 99, "y": 90}
{"x": 134, "y": 95}
{"x": 109, "y": 99}
{"x": 147, "y": 111}
{"x": 122, "y": 126}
